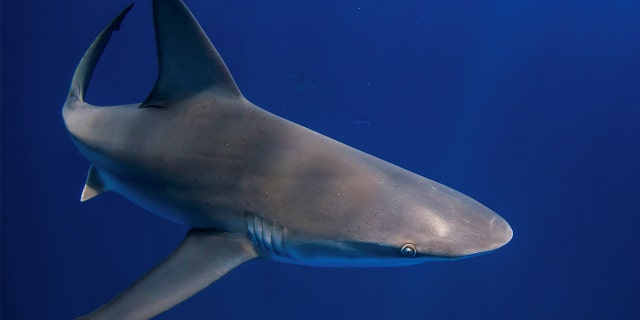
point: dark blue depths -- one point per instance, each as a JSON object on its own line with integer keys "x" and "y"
{"x": 531, "y": 107}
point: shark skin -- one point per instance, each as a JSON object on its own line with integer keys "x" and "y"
{"x": 250, "y": 184}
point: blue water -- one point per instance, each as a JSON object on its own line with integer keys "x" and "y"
{"x": 531, "y": 107}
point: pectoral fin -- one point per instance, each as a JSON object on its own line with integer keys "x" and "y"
{"x": 203, "y": 257}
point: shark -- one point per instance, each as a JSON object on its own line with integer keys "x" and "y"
{"x": 249, "y": 184}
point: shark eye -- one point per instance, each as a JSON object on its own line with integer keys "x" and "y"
{"x": 408, "y": 250}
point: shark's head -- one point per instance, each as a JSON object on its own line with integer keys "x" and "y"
{"x": 399, "y": 218}
{"x": 437, "y": 222}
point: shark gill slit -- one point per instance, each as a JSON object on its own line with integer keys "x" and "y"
{"x": 266, "y": 236}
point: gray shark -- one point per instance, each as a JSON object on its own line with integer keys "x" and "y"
{"x": 250, "y": 184}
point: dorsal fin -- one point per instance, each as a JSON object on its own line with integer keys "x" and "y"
{"x": 94, "y": 186}
{"x": 188, "y": 62}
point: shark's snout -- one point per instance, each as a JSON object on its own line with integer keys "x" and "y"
{"x": 476, "y": 229}
{"x": 450, "y": 224}
{"x": 497, "y": 235}
{"x": 502, "y": 232}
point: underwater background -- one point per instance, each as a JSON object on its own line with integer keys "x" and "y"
{"x": 530, "y": 107}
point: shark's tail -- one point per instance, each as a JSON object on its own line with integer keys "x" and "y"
{"x": 87, "y": 65}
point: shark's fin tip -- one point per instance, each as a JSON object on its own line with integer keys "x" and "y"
{"x": 94, "y": 186}
{"x": 121, "y": 16}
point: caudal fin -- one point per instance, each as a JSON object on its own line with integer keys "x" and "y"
{"x": 87, "y": 65}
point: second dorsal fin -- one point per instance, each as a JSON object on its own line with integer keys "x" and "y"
{"x": 188, "y": 62}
